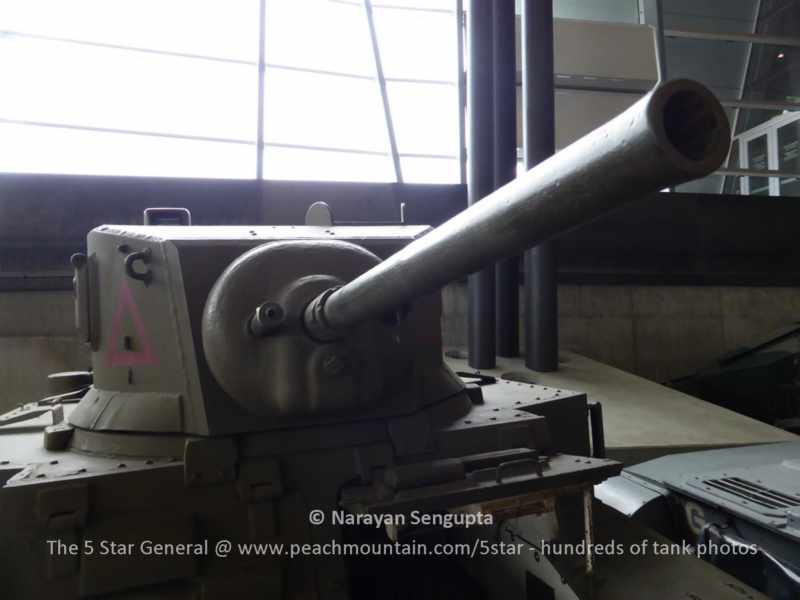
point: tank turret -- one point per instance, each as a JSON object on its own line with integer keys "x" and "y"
{"x": 245, "y": 378}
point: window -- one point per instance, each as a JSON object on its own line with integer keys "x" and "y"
{"x": 789, "y": 158}
{"x": 772, "y": 146}
{"x": 352, "y": 90}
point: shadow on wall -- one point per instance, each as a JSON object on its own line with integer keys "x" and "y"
{"x": 657, "y": 332}
{"x": 38, "y": 338}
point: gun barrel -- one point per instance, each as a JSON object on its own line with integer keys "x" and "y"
{"x": 676, "y": 133}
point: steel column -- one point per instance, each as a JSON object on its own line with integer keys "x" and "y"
{"x": 480, "y": 324}
{"x": 505, "y": 168}
{"x": 661, "y": 51}
{"x": 462, "y": 103}
{"x": 538, "y": 114}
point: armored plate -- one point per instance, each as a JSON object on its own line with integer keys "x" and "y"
{"x": 760, "y": 484}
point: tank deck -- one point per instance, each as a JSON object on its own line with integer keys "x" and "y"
{"x": 644, "y": 420}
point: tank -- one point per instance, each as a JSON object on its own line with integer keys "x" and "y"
{"x": 285, "y": 386}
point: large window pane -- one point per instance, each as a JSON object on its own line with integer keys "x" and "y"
{"x": 416, "y": 44}
{"x": 28, "y": 149}
{"x": 309, "y": 109}
{"x": 319, "y": 34}
{"x": 425, "y": 118}
{"x": 430, "y": 170}
{"x": 617, "y": 11}
{"x": 210, "y": 27}
{"x": 83, "y": 85}
{"x": 315, "y": 165}
{"x": 733, "y": 184}
{"x": 789, "y": 157}
{"x": 757, "y": 161}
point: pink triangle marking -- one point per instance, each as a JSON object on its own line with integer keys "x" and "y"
{"x": 123, "y": 358}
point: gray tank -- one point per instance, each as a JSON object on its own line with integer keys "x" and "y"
{"x": 286, "y": 386}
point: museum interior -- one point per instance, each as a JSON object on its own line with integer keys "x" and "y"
{"x": 403, "y": 299}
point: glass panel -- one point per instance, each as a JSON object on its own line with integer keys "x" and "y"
{"x": 750, "y": 119}
{"x": 28, "y": 149}
{"x": 319, "y": 34}
{"x": 618, "y": 11}
{"x": 425, "y": 117}
{"x": 81, "y": 85}
{"x": 210, "y": 27}
{"x": 707, "y": 185}
{"x": 417, "y": 45}
{"x": 757, "y": 161}
{"x": 308, "y": 109}
{"x": 789, "y": 157}
{"x": 733, "y": 184}
{"x": 314, "y": 165}
{"x": 429, "y": 170}
{"x": 715, "y": 64}
{"x": 773, "y": 68}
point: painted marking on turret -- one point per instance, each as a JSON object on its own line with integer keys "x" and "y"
{"x": 119, "y": 356}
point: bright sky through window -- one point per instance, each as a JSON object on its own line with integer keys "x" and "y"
{"x": 171, "y": 88}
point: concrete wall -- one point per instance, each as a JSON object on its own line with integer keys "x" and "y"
{"x": 657, "y": 332}
{"x": 36, "y": 338}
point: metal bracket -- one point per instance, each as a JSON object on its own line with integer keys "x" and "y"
{"x": 32, "y": 411}
{"x": 260, "y": 480}
{"x": 260, "y": 485}
{"x": 209, "y": 461}
{"x": 58, "y": 436}
{"x": 63, "y": 507}
{"x": 598, "y": 435}
{"x": 64, "y": 511}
